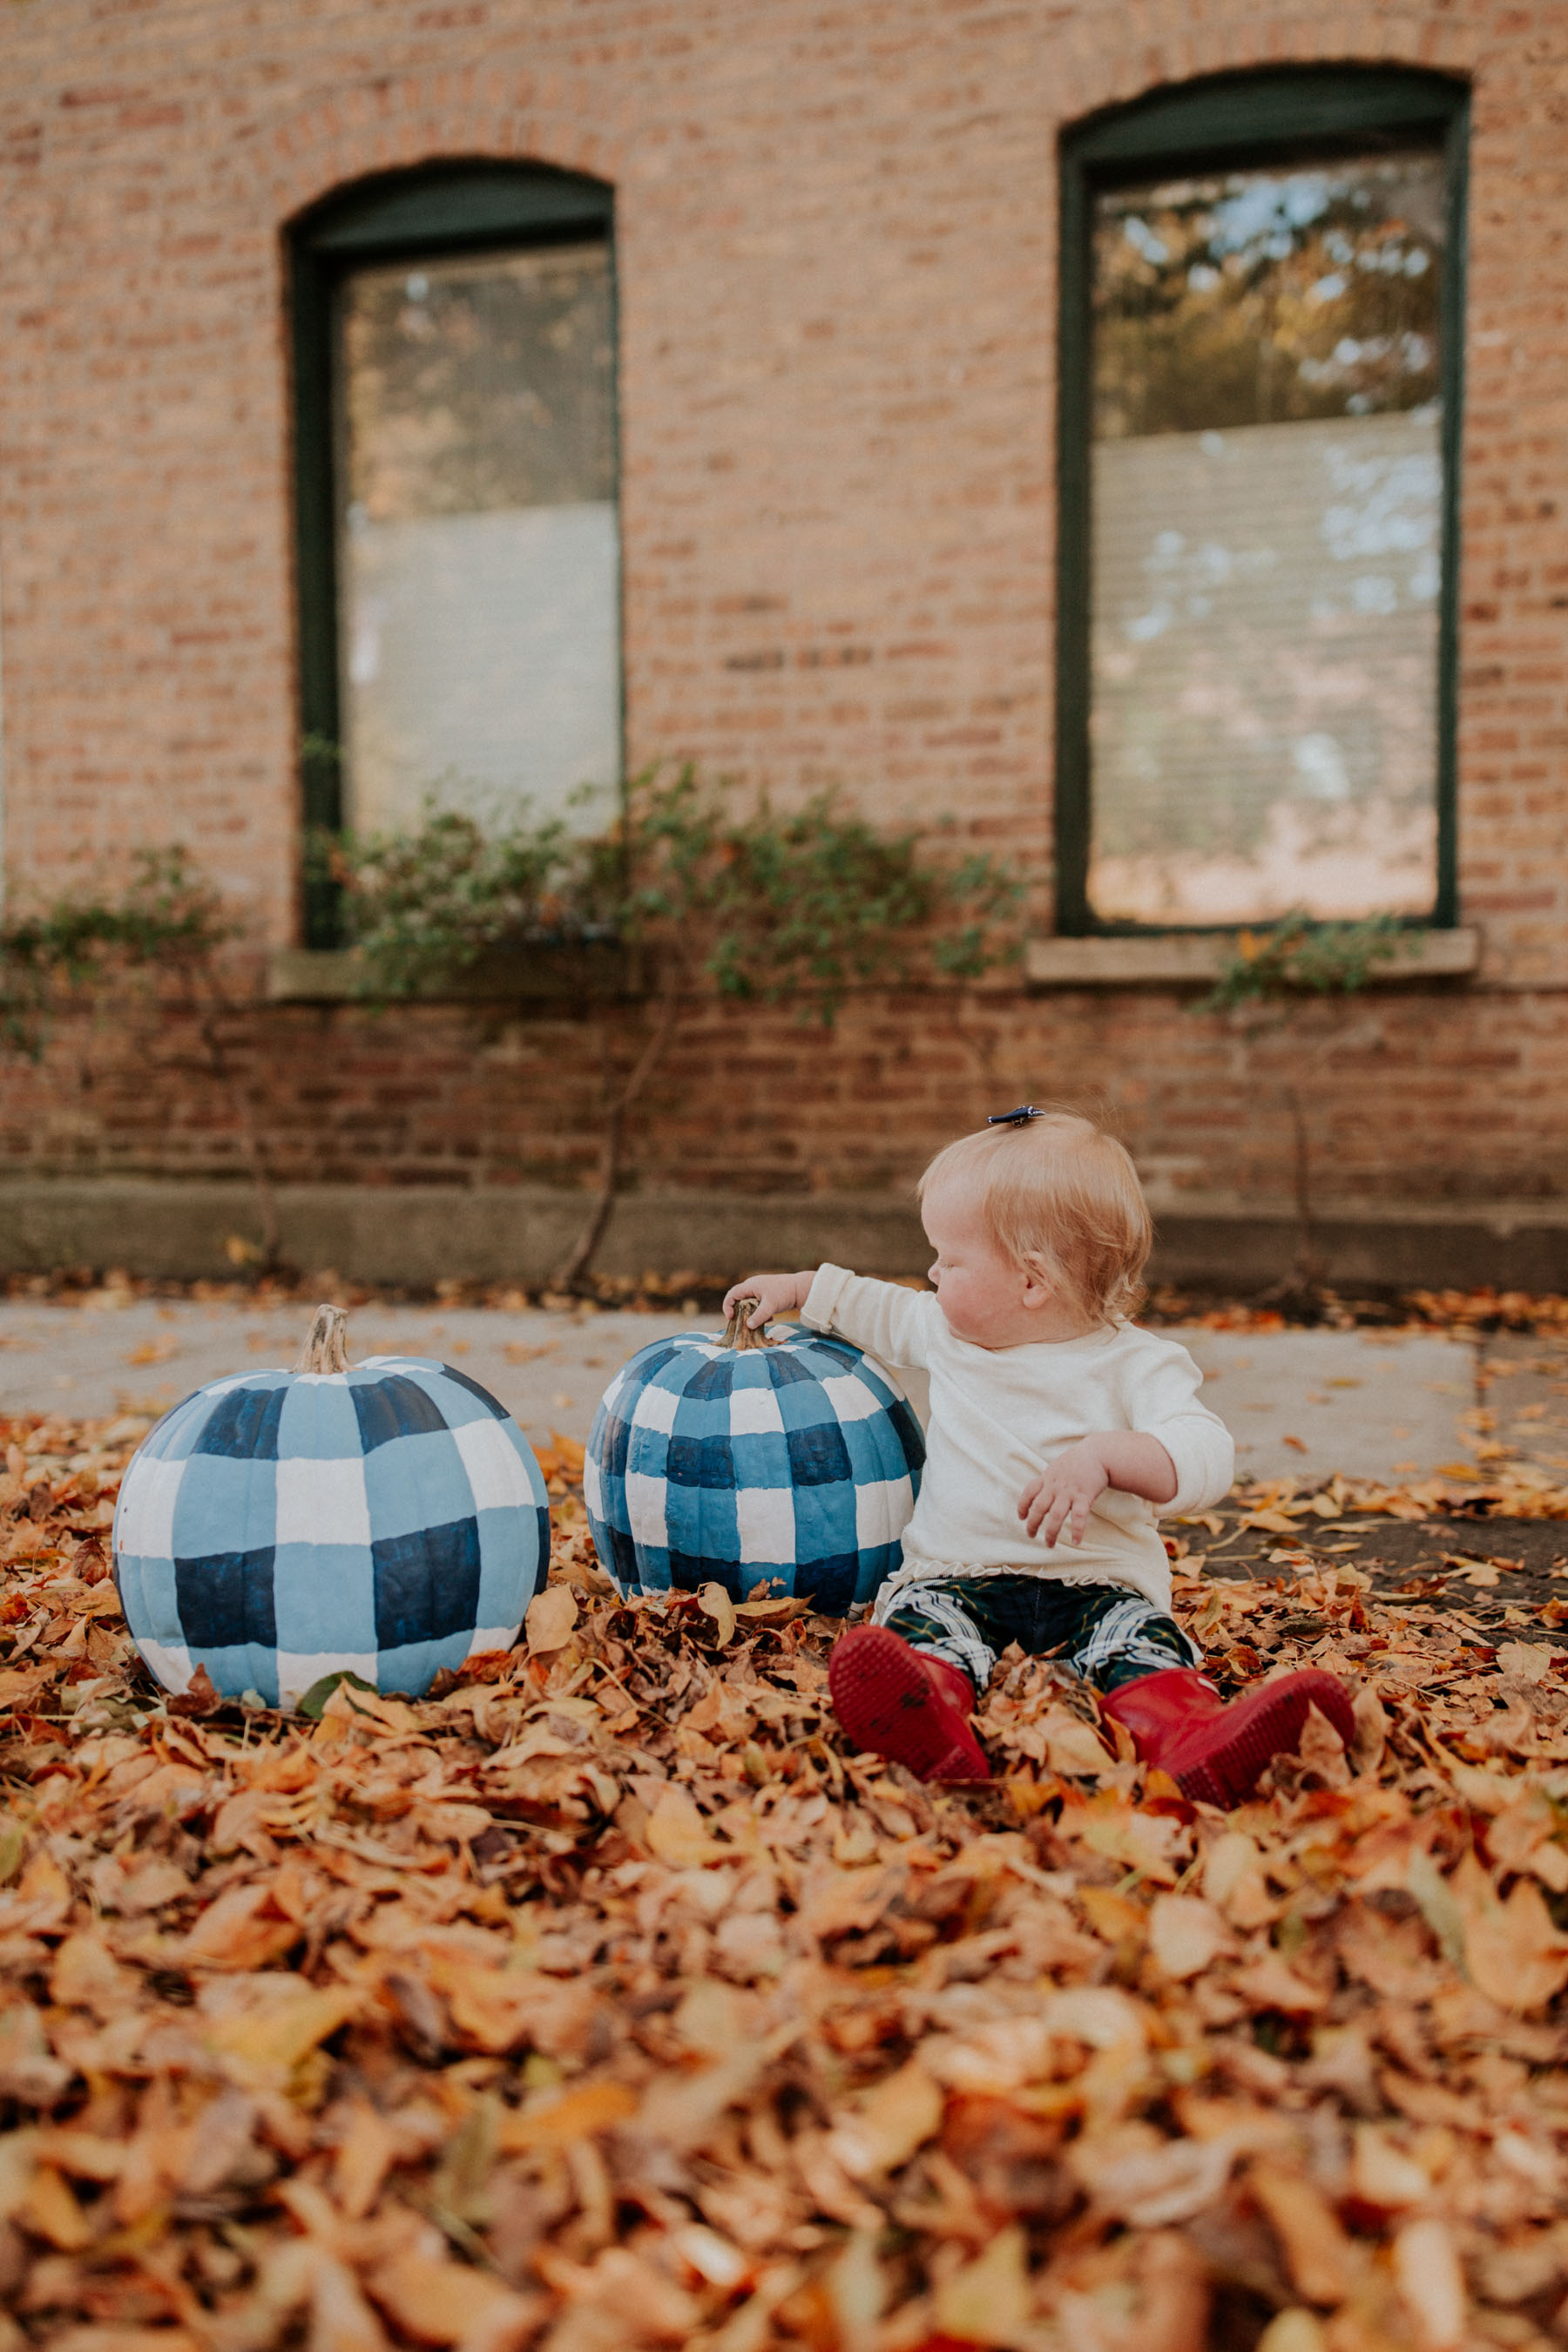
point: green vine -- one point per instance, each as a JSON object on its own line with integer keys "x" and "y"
{"x": 1298, "y": 957}
{"x": 748, "y": 905}
{"x": 764, "y": 907}
{"x": 166, "y": 916}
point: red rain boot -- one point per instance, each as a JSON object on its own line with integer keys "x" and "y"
{"x": 1213, "y": 1752}
{"x": 901, "y": 1703}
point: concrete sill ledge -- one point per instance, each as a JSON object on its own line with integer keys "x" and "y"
{"x": 1191, "y": 959}
{"x": 553, "y": 972}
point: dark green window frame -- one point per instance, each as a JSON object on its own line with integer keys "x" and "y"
{"x": 433, "y": 209}
{"x": 1238, "y": 121}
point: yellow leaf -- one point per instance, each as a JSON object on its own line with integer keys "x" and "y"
{"x": 551, "y": 1615}
{"x": 677, "y": 1834}
{"x": 232, "y": 1932}
{"x": 348, "y": 1704}
{"x": 1071, "y": 1745}
{"x": 54, "y": 2214}
{"x": 1144, "y": 1841}
{"x": 987, "y": 2302}
{"x": 86, "y": 1975}
{"x": 261, "y": 2047}
{"x": 86, "y": 2155}
{"x": 1295, "y": 2330}
{"x": 1114, "y": 1918}
{"x": 1382, "y": 2174}
{"x": 899, "y": 2115}
{"x": 1184, "y": 1934}
{"x": 715, "y": 1602}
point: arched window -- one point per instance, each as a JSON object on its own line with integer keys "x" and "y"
{"x": 1261, "y": 330}
{"x": 456, "y": 471}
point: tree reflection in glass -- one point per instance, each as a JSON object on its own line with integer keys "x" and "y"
{"x": 476, "y": 532}
{"x": 1266, "y": 496}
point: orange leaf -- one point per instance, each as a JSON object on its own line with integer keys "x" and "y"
{"x": 578, "y": 2113}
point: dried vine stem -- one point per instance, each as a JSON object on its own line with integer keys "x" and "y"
{"x": 738, "y": 1332}
{"x": 326, "y": 1349}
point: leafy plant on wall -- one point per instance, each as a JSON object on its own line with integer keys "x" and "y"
{"x": 154, "y": 944}
{"x": 1264, "y": 985}
{"x": 712, "y": 901}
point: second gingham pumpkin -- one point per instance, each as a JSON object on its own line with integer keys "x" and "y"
{"x": 793, "y": 1466}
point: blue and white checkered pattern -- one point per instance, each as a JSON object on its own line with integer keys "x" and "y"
{"x": 794, "y": 1466}
{"x": 281, "y": 1525}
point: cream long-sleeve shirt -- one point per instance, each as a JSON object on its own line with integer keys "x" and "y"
{"x": 999, "y": 1415}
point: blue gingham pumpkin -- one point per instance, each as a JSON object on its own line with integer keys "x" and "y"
{"x": 277, "y": 1526}
{"x": 794, "y": 1466}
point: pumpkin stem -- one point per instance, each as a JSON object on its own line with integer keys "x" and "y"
{"x": 738, "y": 1332}
{"x": 326, "y": 1349}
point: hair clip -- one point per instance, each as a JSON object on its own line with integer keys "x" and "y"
{"x": 1019, "y": 1117}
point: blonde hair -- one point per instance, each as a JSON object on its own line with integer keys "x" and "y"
{"x": 1062, "y": 1200}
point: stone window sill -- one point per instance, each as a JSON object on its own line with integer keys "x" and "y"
{"x": 1191, "y": 959}
{"x": 552, "y": 972}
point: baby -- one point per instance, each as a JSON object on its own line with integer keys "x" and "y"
{"x": 1055, "y": 1422}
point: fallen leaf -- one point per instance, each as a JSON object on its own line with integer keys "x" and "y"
{"x": 1431, "y": 2284}
{"x": 436, "y": 2300}
{"x": 1527, "y": 1662}
{"x": 987, "y": 2302}
{"x": 241, "y": 1930}
{"x": 1382, "y": 2174}
{"x": 716, "y": 1603}
{"x": 576, "y": 2114}
{"x": 260, "y": 2049}
{"x": 677, "y": 1833}
{"x": 899, "y": 2115}
{"x": 1184, "y": 1934}
{"x": 1149, "y": 2189}
{"x": 1514, "y": 1950}
{"x": 1317, "y": 2254}
{"x": 1070, "y": 1745}
{"x": 551, "y": 1616}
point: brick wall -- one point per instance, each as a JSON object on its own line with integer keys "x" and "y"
{"x": 1411, "y": 1097}
{"x": 837, "y": 272}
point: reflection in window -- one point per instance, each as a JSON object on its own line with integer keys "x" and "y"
{"x": 1265, "y": 500}
{"x": 478, "y": 545}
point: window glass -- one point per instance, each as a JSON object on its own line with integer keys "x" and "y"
{"x": 1266, "y": 499}
{"x": 478, "y": 545}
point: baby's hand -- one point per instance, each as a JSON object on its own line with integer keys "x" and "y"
{"x": 777, "y": 1294}
{"x": 1059, "y": 1500}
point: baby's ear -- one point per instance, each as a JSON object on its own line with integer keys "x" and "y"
{"x": 1040, "y": 1285}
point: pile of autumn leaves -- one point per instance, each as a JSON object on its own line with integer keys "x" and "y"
{"x": 604, "y": 2001}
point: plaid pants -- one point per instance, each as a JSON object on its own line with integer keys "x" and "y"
{"x": 1102, "y": 1632}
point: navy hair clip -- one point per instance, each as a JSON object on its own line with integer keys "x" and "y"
{"x": 1019, "y": 1117}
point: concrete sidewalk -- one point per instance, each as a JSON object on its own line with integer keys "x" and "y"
{"x": 1368, "y": 1404}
